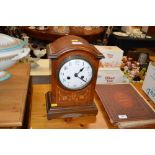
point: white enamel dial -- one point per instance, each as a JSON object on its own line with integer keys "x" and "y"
{"x": 75, "y": 74}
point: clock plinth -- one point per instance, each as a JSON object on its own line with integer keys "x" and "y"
{"x": 68, "y": 111}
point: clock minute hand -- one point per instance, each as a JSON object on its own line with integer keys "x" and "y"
{"x": 81, "y": 79}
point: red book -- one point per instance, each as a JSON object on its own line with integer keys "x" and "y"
{"x": 125, "y": 107}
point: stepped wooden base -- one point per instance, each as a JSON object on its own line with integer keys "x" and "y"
{"x": 69, "y": 111}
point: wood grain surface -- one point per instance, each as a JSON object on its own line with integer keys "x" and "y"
{"x": 13, "y": 94}
{"x": 38, "y": 115}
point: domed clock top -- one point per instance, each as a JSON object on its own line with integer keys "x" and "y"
{"x": 71, "y": 43}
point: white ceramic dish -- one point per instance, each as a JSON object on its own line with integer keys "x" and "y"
{"x": 9, "y": 59}
{"x": 8, "y": 43}
{"x": 120, "y": 34}
{"x": 11, "y": 50}
{"x": 148, "y": 37}
{"x": 32, "y": 27}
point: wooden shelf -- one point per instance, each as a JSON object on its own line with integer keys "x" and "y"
{"x": 49, "y": 35}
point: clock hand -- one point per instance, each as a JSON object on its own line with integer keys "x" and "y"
{"x": 80, "y": 70}
{"x": 76, "y": 74}
{"x": 81, "y": 78}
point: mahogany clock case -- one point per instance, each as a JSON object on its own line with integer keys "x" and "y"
{"x": 64, "y": 49}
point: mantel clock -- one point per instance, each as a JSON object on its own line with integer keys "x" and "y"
{"x": 74, "y": 72}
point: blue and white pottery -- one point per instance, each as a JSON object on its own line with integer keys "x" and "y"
{"x": 11, "y": 50}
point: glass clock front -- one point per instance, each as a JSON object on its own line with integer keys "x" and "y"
{"x": 75, "y": 74}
